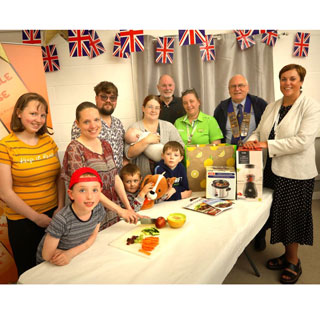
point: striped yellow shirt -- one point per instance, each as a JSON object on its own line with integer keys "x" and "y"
{"x": 34, "y": 172}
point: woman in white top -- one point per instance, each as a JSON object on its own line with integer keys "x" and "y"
{"x": 287, "y": 133}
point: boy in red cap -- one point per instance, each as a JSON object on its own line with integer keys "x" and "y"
{"x": 74, "y": 228}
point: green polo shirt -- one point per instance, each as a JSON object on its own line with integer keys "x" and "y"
{"x": 204, "y": 130}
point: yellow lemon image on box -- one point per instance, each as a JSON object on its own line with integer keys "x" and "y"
{"x": 199, "y": 155}
{"x": 208, "y": 162}
{"x": 230, "y": 162}
{"x": 222, "y": 154}
{"x": 195, "y": 174}
{"x": 203, "y": 183}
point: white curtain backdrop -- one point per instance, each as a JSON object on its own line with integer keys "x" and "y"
{"x": 209, "y": 78}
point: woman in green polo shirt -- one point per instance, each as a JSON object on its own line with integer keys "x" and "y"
{"x": 197, "y": 127}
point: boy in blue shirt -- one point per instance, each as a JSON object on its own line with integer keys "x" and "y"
{"x": 172, "y": 155}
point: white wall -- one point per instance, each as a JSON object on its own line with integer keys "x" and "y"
{"x": 74, "y": 83}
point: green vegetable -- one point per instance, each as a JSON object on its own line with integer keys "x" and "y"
{"x": 151, "y": 231}
{"x": 139, "y": 239}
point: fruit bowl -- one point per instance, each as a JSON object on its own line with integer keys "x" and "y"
{"x": 176, "y": 220}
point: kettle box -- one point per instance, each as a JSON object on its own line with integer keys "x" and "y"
{"x": 221, "y": 182}
{"x": 249, "y": 174}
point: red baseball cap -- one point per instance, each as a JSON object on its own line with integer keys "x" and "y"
{"x": 75, "y": 178}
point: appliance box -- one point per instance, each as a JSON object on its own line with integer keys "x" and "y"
{"x": 221, "y": 182}
{"x": 249, "y": 174}
{"x": 198, "y": 157}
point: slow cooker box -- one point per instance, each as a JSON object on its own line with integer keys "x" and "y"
{"x": 221, "y": 182}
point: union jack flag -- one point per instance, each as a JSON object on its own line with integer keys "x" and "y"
{"x": 31, "y": 36}
{"x": 253, "y": 32}
{"x": 244, "y": 38}
{"x": 117, "y": 49}
{"x": 79, "y": 43}
{"x": 133, "y": 39}
{"x": 270, "y": 38}
{"x": 187, "y": 37}
{"x": 165, "y": 50}
{"x": 301, "y": 44}
{"x": 50, "y": 58}
{"x": 207, "y": 49}
{"x": 96, "y": 46}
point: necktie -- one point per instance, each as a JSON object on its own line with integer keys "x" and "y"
{"x": 240, "y": 114}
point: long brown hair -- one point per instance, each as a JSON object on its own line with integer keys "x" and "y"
{"x": 16, "y": 124}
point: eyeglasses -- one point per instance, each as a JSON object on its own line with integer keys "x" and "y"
{"x": 105, "y": 98}
{"x": 240, "y": 86}
{"x": 157, "y": 108}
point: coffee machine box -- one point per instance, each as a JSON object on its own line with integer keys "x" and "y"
{"x": 221, "y": 182}
{"x": 249, "y": 174}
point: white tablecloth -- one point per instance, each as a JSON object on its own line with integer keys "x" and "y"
{"x": 204, "y": 253}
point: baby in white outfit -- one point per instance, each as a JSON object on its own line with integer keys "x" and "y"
{"x": 153, "y": 151}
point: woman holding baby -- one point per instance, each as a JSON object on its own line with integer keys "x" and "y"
{"x": 160, "y": 131}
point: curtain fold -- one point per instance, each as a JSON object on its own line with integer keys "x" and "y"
{"x": 209, "y": 78}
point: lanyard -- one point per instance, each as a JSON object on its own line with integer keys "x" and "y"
{"x": 194, "y": 126}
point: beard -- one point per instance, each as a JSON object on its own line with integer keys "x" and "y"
{"x": 107, "y": 112}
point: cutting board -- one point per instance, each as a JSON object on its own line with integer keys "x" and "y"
{"x": 167, "y": 236}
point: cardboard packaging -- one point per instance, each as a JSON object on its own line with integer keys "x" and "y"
{"x": 198, "y": 157}
{"x": 249, "y": 174}
{"x": 221, "y": 182}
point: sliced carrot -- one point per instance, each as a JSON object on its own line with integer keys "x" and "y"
{"x": 148, "y": 244}
{"x": 145, "y": 252}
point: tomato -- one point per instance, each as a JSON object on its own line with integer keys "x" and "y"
{"x": 161, "y": 222}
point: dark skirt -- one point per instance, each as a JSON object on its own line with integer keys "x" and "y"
{"x": 290, "y": 214}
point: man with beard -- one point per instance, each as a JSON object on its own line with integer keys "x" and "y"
{"x": 112, "y": 129}
{"x": 171, "y": 106}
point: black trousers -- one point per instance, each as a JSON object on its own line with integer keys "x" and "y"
{"x": 24, "y": 236}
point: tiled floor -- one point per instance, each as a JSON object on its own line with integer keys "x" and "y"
{"x": 242, "y": 273}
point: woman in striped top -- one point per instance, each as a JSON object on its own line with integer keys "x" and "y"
{"x": 30, "y": 172}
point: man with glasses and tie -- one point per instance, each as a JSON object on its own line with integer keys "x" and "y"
{"x": 112, "y": 129}
{"x": 239, "y": 115}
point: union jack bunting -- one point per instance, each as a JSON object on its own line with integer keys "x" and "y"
{"x": 207, "y": 49}
{"x": 117, "y": 49}
{"x": 96, "y": 46}
{"x": 244, "y": 38}
{"x": 253, "y": 32}
{"x": 164, "y": 50}
{"x": 133, "y": 39}
{"x": 301, "y": 44}
{"x": 79, "y": 43}
{"x": 50, "y": 58}
{"x": 31, "y": 36}
{"x": 270, "y": 38}
{"x": 187, "y": 37}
